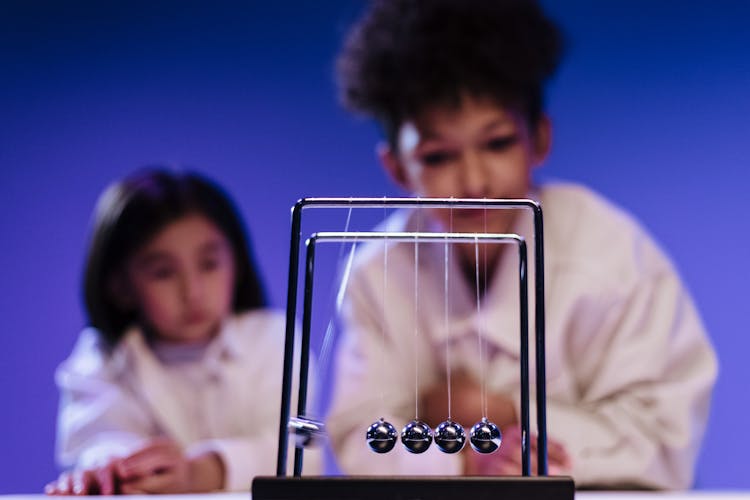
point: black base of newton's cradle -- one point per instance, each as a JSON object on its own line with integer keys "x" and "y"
{"x": 413, "y": 488}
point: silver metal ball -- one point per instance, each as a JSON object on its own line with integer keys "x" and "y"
{"x": 450, "y": 437}
{"x": 416, "y": 436}
{"x": 307, "y": 432}
{"x": 485, "y": 437}
{"x": 381, "y": 436}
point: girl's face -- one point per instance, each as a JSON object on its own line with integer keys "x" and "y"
{"x": 476, "y": 150}
{"x": 182, "y": 280}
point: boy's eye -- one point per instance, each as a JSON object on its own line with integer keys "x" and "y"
{"x": 501, "y": 143}
{"x": 437, "y": 158}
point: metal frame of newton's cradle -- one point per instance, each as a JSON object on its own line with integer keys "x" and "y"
{"x": 525, "y": 487}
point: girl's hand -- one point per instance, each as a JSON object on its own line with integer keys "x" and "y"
{"x": 507, "y": 460}
{"x": 95, "y": 481}
{"x": 159, "y": 467}
{"x": 162, "y": 467}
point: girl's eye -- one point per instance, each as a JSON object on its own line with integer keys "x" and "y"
{"x": 501, "y": 143}
{"x": 161, "y": 273}
{"x": 210, "y": 264}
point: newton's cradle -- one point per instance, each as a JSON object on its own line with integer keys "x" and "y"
{"x": 416, "y": 436}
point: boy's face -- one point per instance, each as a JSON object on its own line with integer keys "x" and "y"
{"x": 476, "y": 150}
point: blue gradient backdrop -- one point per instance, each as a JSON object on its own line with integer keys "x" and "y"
{"x": 651, "y": 108}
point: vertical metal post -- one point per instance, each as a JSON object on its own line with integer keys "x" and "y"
{"x": 523, "y": 305}
{"x": 541, "y": 385}
{"x": 291, "y": 312}
{"x": 305, "y": 347}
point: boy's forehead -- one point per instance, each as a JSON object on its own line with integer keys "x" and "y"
{"x": 445, "y": 118}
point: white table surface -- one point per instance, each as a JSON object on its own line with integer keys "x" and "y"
{"x": 582, "y": 495}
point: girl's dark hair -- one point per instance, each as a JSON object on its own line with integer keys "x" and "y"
{"x": 130, "y": 212}
{"x": 406, "y": 55}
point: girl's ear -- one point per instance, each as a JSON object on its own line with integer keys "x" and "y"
{"x": 542, "y": 140}
{"x": 120, "y": 291}
{"x": 392, "y": 165}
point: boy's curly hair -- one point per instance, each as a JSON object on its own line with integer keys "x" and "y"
{"x": 406, "y": 55}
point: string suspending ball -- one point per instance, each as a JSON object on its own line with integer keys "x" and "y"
{"x": 416, "y": 436}
{"x": 381, "y": 436}
{"x": 485, "y": 437}
{"x": 450, "y": 437}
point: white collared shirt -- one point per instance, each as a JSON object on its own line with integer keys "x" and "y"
{"x": 227, "y": 400}
{"x": 629, "y": 366}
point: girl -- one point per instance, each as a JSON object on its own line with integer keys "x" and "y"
{"x": 175, "y": 386}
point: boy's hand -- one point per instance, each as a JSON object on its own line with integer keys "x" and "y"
{"x": 507, "y": 460}
{"x": 466, "y": 403}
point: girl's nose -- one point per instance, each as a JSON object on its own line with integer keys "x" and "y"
{"x": 192, "y": 288}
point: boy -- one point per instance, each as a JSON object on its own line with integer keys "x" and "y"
{"x": 457, "y": 88}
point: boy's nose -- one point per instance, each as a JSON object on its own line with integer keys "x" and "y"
{"x": 474, "y": 176}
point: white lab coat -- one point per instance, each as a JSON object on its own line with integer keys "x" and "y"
{"x": 629, "y": 366}
{"x": 111, "y": 404}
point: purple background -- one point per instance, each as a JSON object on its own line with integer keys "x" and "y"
{"x": 651, "y": 109}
